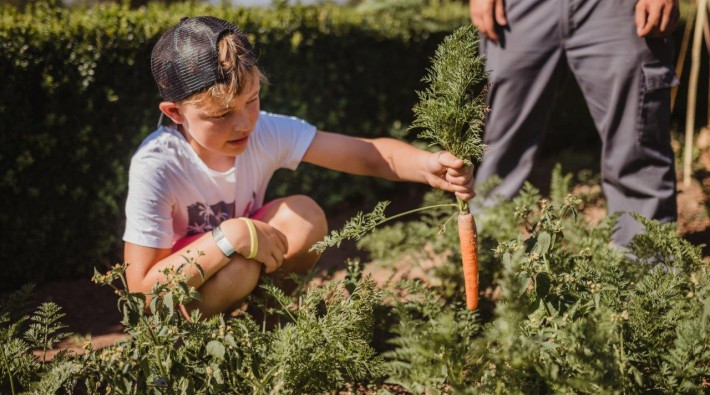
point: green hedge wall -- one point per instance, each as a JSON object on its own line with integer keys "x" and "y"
{"x": 77, "y": 97}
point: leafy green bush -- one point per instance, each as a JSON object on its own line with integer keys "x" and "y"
{"x": 571, "y": 314}
{"x": 322, "y": 342}
{"x": 77, "y": 98}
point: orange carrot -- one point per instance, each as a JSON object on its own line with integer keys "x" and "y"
{"x": 469, "y": 255}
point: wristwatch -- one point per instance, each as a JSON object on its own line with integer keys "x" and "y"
{"x": 221, "y": 239}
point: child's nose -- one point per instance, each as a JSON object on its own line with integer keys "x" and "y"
{"x": 242, "y": 122}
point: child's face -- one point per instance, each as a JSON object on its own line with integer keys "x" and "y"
{"x": 221, "y": 133}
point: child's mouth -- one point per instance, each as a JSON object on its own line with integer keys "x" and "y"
{"x": 240, "y": 141}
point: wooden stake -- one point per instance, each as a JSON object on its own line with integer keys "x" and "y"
{"x": 681, "y": 59}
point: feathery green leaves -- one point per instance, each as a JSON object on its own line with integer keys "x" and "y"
{"x": 355, "y": 228}
{"x": 451, "y": 110}
{"x": 45, "y": 329}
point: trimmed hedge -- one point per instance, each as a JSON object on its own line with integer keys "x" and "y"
{"x": 77, "y": 97}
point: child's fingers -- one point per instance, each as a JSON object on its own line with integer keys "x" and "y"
{"x": 441, "y": 183}
{"x": 274, "y": 261}
{"x": 465, "y": 196}
{"x": 462, "y": 186}
{"x": 276, "y": 256}
{"x": 462, "y": 192}
{"x": 447, "y": 159}
{"x": 271, "y": 265}
{"x": 465, "y": 172}
{"x": 284, "y": 241}
{"x": 268, "y": 262}
{"x": 278, "y": 261}
{"x": 459, "y": 188}
{"x": 450, "y": 174}
{"x": 458, "y": 179}
{"x": 447, "y": 186}
{"x": 271, "y": 238}
{"x": 281, "y": 241}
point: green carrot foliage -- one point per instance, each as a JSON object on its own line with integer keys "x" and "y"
{"x": 451, "y": 109}
{"x": 563, "y": 311}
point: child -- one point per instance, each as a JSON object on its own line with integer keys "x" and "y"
{"x": 199, "y": 183}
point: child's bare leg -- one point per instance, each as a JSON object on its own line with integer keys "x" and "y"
{"x": 232, "y": 283}
{"x": 301, "y": 220}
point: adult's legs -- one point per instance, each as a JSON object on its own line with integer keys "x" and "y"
{"x": 301, "y": 220}
{"x": 626, "y": 82}
{"x": 526, "y": 68}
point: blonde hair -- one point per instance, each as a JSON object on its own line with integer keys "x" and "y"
{"x": 238, "y": 64}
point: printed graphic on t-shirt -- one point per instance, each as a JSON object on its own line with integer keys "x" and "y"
{"x": 247, "y": 211}
{"x": 203, "y": 218}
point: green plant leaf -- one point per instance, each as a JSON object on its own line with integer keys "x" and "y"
{"x": 542, "y": 285}
{"x": 544, "y": 241}
{"x": 215, "y": 349}
{"x": 168, "y": 302}
{"x": 523, "y": 281}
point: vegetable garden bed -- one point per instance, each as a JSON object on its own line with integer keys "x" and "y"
{"x": 561, "y": 311}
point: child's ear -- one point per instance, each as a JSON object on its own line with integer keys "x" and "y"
{"x": 172, "y": 111}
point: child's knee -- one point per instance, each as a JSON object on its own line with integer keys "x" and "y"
{"x": 302, "y": 208}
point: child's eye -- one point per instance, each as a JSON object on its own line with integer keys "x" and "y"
{"x": 222, "y": 116}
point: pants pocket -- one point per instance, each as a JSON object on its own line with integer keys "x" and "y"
{"x": 655, "y": 107}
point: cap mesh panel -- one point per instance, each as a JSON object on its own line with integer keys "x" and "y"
{"x": 185, "y": 59}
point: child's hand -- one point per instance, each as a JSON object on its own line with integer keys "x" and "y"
{"x": 448, "y": 173}
{"x": 272, "y": 245}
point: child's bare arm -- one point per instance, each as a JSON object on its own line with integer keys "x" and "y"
{"x": 146, "y": 263}
{"x": 391, "y": 159}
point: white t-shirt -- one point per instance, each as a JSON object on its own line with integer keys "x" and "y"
{"x": 173, "y": 194}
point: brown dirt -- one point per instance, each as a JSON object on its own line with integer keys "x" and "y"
{"x": 92, "y": 314}
{"x": 694, "y": 200}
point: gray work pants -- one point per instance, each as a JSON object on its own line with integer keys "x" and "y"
{"x": 625, "y": 81}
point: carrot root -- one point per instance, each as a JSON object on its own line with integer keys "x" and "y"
{"x": 468, "y": 239}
